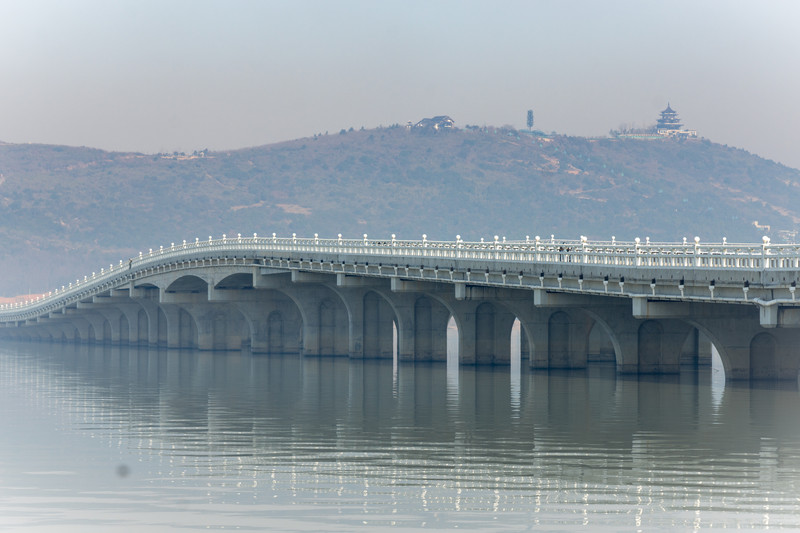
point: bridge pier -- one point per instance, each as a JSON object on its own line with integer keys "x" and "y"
{"x": 697, "y": 350}
{"x": 325, "y": 321}
{"x": 181, "y": 327}
{"x": 275, "y": 325}
{"x": 370, "y": 323}
{"x": 335, "y": 298}
{"x": 747, "y": 349}
{"x": 219, "y": 326}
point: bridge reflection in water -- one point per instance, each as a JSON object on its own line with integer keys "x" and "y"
{"x": 313, "y": 442}
{"x": 648, "y": 307}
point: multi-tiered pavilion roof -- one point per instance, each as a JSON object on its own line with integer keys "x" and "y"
{"x": 669, "y": 120}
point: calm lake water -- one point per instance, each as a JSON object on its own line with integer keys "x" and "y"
{"x": 112, "y": 439}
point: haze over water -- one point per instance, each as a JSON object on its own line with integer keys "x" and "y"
{"x": 105, "y": 438}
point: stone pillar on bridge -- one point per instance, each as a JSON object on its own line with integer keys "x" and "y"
{"x": 156, "y": 332}
{"x": 111, "y": 330}
{"x": 424, "y": 312}
{"x": 697, "y": 350}
{"x": 219, "y": 326}
{"x": 325, "y": 321}
{"x": 560, "y": 338}
{"x": 79, "y": 326}
{"x": 485, "y": 317}
{"x": 273, "y": 319}
{"x": 430, "y": 329}
{"x": 97, "y": 325}
{"x": 403, "y": 306}
{"x": 747, "y": 349}
{"x": 133, "y": 323}
{"x": 181, "y": 327}
{"x": 370, "y": 317}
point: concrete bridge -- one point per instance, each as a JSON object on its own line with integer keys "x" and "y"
{"x": 649, "y": 306}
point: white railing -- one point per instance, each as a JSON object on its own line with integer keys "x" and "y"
{"x": 637, "y": 254}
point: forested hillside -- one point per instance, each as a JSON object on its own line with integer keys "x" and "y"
{"x": 65, "y": 212}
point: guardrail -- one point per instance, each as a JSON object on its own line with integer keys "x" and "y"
{"x": 637, "y": 254}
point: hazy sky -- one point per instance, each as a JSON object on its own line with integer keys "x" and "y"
{"x": 166, "y": 75}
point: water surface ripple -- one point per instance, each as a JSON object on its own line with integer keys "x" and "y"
{"x": 104, "y": 438}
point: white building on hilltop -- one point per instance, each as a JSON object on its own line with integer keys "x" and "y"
{"x": 669, "y": 125}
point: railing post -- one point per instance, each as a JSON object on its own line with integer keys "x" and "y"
{"x": 697, "y": 251}
{"x": 584, "y": 256}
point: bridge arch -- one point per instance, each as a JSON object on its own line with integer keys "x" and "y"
{"x": 187, "y": 283}
{"x": 274, "y": 322}
{"x": 320, "y": 314}
{"x": 641, "y": 346}
{"x": 239, "y": 280}
{"x": 427, "y": 332}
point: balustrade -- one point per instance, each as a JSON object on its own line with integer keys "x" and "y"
{"x": 695, "y": 255}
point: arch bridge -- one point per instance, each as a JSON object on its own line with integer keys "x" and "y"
{"x": 649, "y": 306}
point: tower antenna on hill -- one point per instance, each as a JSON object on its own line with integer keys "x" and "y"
{"x": 530, "y": 119}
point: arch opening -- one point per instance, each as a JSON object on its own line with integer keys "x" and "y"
{"x": 600, "y": 347}
{"x": 188, "y": 284}
{"x": 452, "y": 341}
{"x": 241, "y": 281}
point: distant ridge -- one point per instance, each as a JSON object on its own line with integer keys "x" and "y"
{"x": 68, "y": 211}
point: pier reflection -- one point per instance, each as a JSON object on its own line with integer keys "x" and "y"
{"x": 415, "y": 438}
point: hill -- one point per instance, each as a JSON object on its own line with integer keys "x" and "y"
{"x": 65, "y": 211}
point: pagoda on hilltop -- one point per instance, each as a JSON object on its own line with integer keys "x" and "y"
{"x": 669, "y": 120}
{"x": 669, "y": 125}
